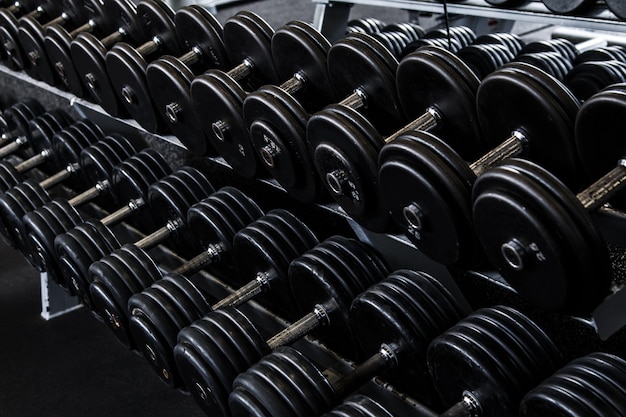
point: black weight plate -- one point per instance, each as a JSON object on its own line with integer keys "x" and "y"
{"x": 434, "y": 77}
{"x": 154, "y": 327}
{"x": 590, "y": 386}
{"x": 520, "y": 97}
{"x": 156, "y": 18}
{"x": 481, "y": 353}
{"x": 18, "y": 115}
{"x": 358, "y": 194}
{"x": 507, "y": 3}
{"x": 589, "y": 78}
{"x": 569, "y": 6}
{"x": 169, "y": 81}
{"x": 14, "y": 204}
{"x": 604, "y": 110}
{"x": 217, "y": 97}
{"x": 364, "y": 63}
{"x": 299, "y": 48}
{"x": 9, "y": 176}
{"x": 58, "y": 43}
{"x": 277, "y": 125}
{"x": 127, "y": 72}
{"x": 88, "y": 55}
{"x": 427, "y": 187}
{"x": 197, "y": 28}
{"x": 12, "y": 53}
{"x": 176, "y": 301}
{"x": 36, "y": 64}
{"x": 248, "y": 37}
{"x": 519, "y": 200}
{"x": 255, "y": 392}
{"x": 359, "y": 405}
{"x": 123, "y": 17}
{"x": 196, "y": 300}
{"x": 617, "y": 7}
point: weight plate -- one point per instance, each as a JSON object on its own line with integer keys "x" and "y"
{"x": 480, "y": 354}
{"x": 569, "y": 6}
{"x": 57, "y": 44}
{"x": 513, "y": 206}
{"x": 298, "y": 48}
{"x": 359, "y": 405}
{"x": 350, "y": 177}
{"x": 196, "y": 28}
{"x": 433, "y": 205}
{"x": 36, "y": 64}
{"x": 617, "y": 7}
{"x": 277, "y": 126}
{"x": 588, "y": 386}
{"x": 248, "y": 37}
{"x": 12, "y": 53}
{"x": 223, "y": 126}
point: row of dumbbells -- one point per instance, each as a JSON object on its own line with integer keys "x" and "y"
{"x": 576, "y": 7}
{"x": 350, "y": 299}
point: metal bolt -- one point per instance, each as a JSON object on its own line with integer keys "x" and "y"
{"x": 268, "y": 154}
{"x": 336, "y": 180}
{"x": 33, "y": 58}
{"x": 128, "y": 95}
{"x": 91, "y": 81}
{"x": 219, "y": 130}
{"x": 413, "y": 216}
{"x": 60, "y": 69}
{"x": 514, "y": 253}
{"x": 172, "y": 111}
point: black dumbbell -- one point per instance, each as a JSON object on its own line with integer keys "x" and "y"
{"x": 127, "y": 65}
{"x": 15, "y": 120}
{"x": 45, "y": 223}
{"x": 269, "y": 272}
{"x": 325, "y": 280}
{"x": 88, "y": 53}
{"x": 489, "y": 360}
{"x": 129, "y": 269}
{"x": 159, "y": 312}
{"x": 532, "y": 110}
{"x": 11, "y": 53}
{"x": 39, "y": 129}
{"x": 574, "y": 7}
{"x": 437, "y": 90}
{"x": 32, "y": 34}
{"x": 405, "y": 312}
{"x": 102, "y": 18}
{"x": 299, "y": 57}
{"x": 169, "y": 78}
{"x": 588, "y": 386}
{"x": 276, "y": 116}
{"x": 374, "y": 98}
{"x": 553, "y": 244}
{"x": 54, "y": 152}
{"x": 78, "y": 247}
{"x": 246, "y": 39}
{"x": 29, "y": 195}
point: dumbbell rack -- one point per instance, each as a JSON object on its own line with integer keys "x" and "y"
{"x": 609, "y": 317}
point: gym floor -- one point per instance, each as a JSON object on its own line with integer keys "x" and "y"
{"x": 72, "y": 365}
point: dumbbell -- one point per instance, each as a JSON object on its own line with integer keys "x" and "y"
{"x": 437, "y": 90}
{"x": 111, "y": 287}
{"x": 244, "y": 41}
{"x": 38, "y": 130}
{"x": 169, "y": 199}
{"x": 573, "y": 7}
{"x": 29, "y": 195}
{"x": 11, "y": 53}
{"x": 404, "y": 311}
{"x": 88, "y": 53}
{"x": 102, "y": 18}
{"x": 78, "y": 247}
{"x": 489, "y": 360}
{"x": 276, "y": 116}
{"x": 63, "y": 147}
{"x": 169, "y": 78}
{"x": 15, "y": 120}
{"x": 533, "y": 111}
{"x": 303, "y": 66}
{"x": 127, "y": 65}
{"x": 32, "y": 34}
{"x": 496, "y": 375}
{"x": 553, "y": 244}
{"x": 44, "y": 224}
{"x": 325, "y": 280}
{"x": 588, "y": 386}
